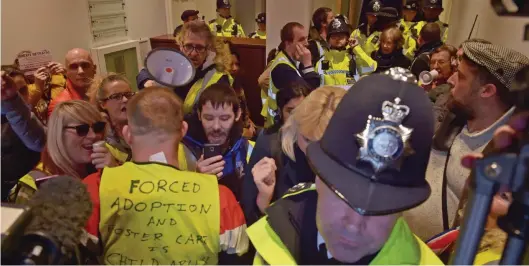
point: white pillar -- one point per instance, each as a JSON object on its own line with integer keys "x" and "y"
{"x": 279, "y": 13}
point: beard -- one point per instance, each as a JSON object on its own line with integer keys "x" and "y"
{"x": 459, "y": 109}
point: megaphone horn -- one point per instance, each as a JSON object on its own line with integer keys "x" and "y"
{"x": 427, "y": 77}
{"x": 169, "y": 67}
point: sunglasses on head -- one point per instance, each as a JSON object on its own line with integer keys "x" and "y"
{"x": 119, "y": 96}
{"x": 82, "y": 130}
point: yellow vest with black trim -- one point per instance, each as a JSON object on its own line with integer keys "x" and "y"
{"x": 213, "y": 76}
{"x": 258, "y": 35}
{"x": 226, "y": 29}
{"x": 269, "y": 110}
{"x": 339, "y": 72}
{"x": 402, "y": 246}
{"x": 156, "y": 214}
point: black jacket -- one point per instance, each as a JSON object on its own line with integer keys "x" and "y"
{"x": 289, "y": 173}
{"x": 422, "y": 58}
{"x": 283, "y": 75}
{"x": 395, "y": 59}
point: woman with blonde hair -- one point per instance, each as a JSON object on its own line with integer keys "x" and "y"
{"x": 307, "y": 123}
{"x": 75, "y": 129}
{"x": 111, "y": 94}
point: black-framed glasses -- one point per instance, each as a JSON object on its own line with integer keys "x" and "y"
{"x": 188, "y": 48}
{"x": 119, "y": 96}
{"x": 83, "y": 129}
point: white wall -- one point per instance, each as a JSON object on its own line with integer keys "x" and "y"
{"x": 279, "y": 13}
{"x": 506, "y": 31}
{"x": 145, "y": 19}
{"x": 206, "y": 7}
{"x": 35, "y": 25}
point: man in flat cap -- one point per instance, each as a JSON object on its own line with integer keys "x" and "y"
{"x": 260, "y": 33}
{"x": 370, "y": 167}
{"x": 225, "y": 25}
{"x": 188, "y": 15}
{"x": 481, "y": 101}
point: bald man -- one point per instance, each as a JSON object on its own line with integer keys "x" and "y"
{"x": 80, "y": 71}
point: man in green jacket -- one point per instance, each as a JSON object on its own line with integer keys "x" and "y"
{"x": 370, "y": 167}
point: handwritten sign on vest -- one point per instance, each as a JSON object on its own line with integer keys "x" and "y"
{"x": 29, "y": 62}
{"x": 155, "y": 214}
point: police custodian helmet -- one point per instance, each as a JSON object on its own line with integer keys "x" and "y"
{"x": 338, "y": 25}
{"x": 223, "y": 4}
{"x": 374, "y": 6}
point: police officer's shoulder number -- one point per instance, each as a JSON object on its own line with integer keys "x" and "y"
{"x": 299, "y": 188}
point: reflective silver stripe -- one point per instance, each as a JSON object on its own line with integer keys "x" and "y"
{"x": 271, "y": 93}
{"x": 271, "y": 112}
{"x": 365, "y": 70}
{"x": 332, "y": 72}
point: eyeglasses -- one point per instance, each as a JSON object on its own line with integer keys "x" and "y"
{"x": 188, "y": 48}
{"x": 82, "y": 130}
{"x": 119, "y": 96}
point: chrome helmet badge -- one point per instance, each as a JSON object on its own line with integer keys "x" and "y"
{"x": 336, "y": 23}
{"x": 384, "y": 141}
{"x": 376, "y": 6}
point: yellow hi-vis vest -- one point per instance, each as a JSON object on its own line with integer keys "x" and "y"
{"x": 339, "y": 72}
{"x": 269, "y": 110}
{"x": 364, "y": 63}
{"x": 153, "y": 213}
{"x": 226, "y": 29}
{"x": 402, "y": 246}
{"x": 258, "y": 35}
{"x": 213, "y": 76}
{"x": 488, "y": 257}
{"x": 410, "y": 40}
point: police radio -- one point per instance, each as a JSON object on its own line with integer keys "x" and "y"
{"x": 234, "y": 30}
{"x": 219, "y": 28}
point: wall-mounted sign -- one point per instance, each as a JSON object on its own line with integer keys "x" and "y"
{"x": 108, "y": 21}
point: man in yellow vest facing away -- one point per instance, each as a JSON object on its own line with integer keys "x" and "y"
{"x": 225, "y": 25}
{"x": 293, "y": 63}
{"x": 260, "y": 33}
{"x": 370, "y": 166}
{"x": 432, "y": 10}
{"x": 153, "y": 213}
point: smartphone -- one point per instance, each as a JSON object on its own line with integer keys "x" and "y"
{"x": 212, "y": 150}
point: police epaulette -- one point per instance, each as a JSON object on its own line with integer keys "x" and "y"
{"x": 213, "y": 20}
{"x": 299, "y": 188}
{"x": 252, "y": 34}
{"x": 445, "y": 24}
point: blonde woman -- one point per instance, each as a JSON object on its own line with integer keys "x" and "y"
{"x": 111, "y": 94}
{"x": 306, "y": 124}
{"x": 73, "y": 129}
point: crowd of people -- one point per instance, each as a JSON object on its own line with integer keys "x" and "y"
{"x": 361, "y": 160}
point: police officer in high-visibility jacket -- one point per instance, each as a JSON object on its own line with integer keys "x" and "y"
{"x": 293, "y": 63}
{"x": 260, "y": 33}
{"x": 148, "y": 211}
{"x": 338, "y": 66}
{"x": 196, "y": 42}
{"x": 409, "y": 11}
{"x": 225, "y": 25}
{"x": 363, "y": 32}
{"x": 432, "y": 9}
{"x": 370, "y": 166}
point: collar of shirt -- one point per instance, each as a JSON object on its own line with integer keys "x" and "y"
{"x": 320, "y": 242}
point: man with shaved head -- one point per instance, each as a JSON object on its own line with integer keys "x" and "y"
{"x": 80, "y": 71}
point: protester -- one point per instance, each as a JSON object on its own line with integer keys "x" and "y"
{"x": 387, "y": 17}
{"x": 218, "y": 122}
{"x": 187, "y": 16}
{"x": 429, "y": 40}
{"x": 74, "y": 128}
{"x": 20, "y": 81}
{"x": 225, "y": 25}
{"x": 390, "y": 53}
{"x": 249, "y": 129}
{"x": 23, "y": 135}
{"x": 50, "y": 82}
{"x": 80, "y": 71}
{"x": 307, "y": 124}
{"x": 352, "y": 214}
{"x": 284, "y": 69}
{"x": 268, "y": 144}
{"x": 110, "y": 94}
{"x": 321, "y": 19}
{"x": 481, "y": 102}
{"x": 260, "y": 33}
{"x": 193, "y": 232}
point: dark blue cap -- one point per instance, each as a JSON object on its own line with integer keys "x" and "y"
{"x": 359, "y": 137}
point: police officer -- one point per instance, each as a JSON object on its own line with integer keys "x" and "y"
{"x": 225, "y": 25}
{"x": 409, "y": 11}
{"x": 370, "y": 167}
{"x": 366, "y": 29}
{"x": 338, "y": 66}
{"x": 188, "y": 15}
{"x": 261, "y": 27}
{"x": 432, "y": 9}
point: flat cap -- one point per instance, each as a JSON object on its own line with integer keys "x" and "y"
{"x": 500, "y": 61}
